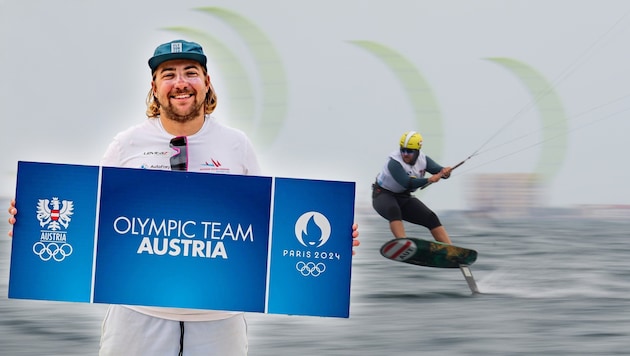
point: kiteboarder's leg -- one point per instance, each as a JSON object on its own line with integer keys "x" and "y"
{"x": 387, "y": 206}
{"x": 398, "y": 229}
{"x": 416, "y": 212}
{"x": 439, "y": 234}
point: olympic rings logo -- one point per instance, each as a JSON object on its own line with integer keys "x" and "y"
{"x": 52, "y": 250}
{"x": 310, "y": 268}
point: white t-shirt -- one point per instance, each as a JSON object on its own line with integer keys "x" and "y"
{"x": 215, "y": 148}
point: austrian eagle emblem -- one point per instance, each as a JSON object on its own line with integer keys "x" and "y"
{"x": 54, "y": 213}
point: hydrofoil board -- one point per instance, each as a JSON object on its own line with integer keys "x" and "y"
{"x": 432, "y": 254}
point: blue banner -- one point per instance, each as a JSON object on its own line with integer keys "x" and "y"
{"x": 311, "y": 250}
{"x": 52, "y": 250}
{"x": 182, "y": 239}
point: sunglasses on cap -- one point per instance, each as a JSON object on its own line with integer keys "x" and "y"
{"x": 179, "y": 161}
{"x": 408, "y": 151}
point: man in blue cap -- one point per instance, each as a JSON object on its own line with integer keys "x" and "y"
{"x": 179, "y": 107}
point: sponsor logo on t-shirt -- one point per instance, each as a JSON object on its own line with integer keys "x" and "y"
{"x": 214, "y": 166}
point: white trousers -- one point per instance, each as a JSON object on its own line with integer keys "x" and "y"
{"x": 127, "y": 332}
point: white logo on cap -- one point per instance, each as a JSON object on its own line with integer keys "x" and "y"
{"x": 176, "y": 47}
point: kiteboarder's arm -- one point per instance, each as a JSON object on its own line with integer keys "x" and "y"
{"x": 400, "y": 175}
{"x": 412, "y": 183}
{"x": 435, "y": 169}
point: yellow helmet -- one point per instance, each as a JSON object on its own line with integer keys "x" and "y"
{"x": 411, "y": 140}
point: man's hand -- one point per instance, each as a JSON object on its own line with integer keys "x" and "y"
{"x": 434, "y": 178}
{"x": 355, "y": 235}
{"x": 13, "y": 213}
{"x": 446, "y": 172}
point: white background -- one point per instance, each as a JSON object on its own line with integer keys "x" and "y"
{"x": 74, "y": 73}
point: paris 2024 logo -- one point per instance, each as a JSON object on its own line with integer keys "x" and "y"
{"x": 312, "y": 230}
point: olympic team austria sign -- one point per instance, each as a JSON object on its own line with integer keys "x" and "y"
{"x": 182, "y": 239}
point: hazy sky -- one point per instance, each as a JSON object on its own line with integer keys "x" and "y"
{"x": 75, "y": 74}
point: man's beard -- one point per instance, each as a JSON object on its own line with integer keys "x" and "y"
{"x": 168, "y": 112}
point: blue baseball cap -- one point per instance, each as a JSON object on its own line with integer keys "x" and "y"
{"x": 178, "y": 49}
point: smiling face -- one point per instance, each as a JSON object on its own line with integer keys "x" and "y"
{"x": 180, "y": 87}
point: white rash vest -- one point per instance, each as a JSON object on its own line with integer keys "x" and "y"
{"x": 417, "y": 170}
{"x": 215, "y": 148}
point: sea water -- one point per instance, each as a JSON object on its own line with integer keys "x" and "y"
{"x": 549, "y": 287}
